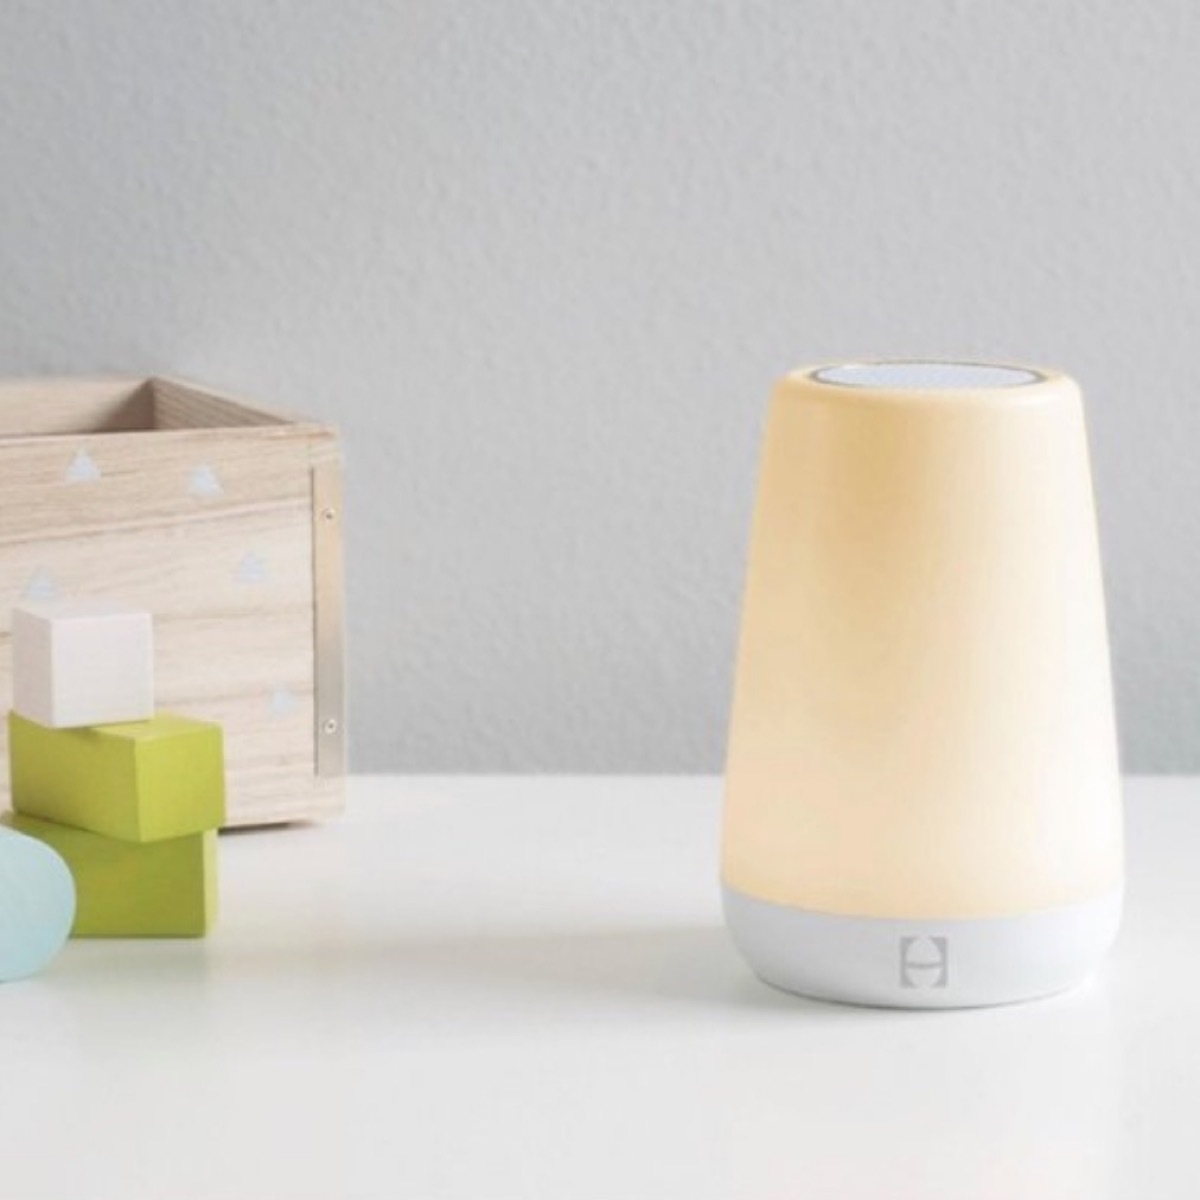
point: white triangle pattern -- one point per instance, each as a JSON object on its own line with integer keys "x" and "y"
{"x": 283, "y": 702}
{"x": 42, "y": 586}
{"x": 203, "y": 482}
{"x": 252, "y": 568}
{"x": 83, "y": 468}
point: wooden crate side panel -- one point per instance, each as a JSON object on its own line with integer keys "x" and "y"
{"x": 179, "y": 405}
{"x": 58, "y": 407}
{"x": 140, "y": 480}
{"x": 267, "y": 414}
{"x": 226, "y": 569}
{"x": 329, "y": 625}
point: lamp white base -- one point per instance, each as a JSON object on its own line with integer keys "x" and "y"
{"x": 961, "y": 962}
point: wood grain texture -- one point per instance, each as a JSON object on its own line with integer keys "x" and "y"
{"x": 179, "y": 405}
{"x": 210, "y": 528}
{"x": 65, "y": 406}
{"x": 329, "y": 617}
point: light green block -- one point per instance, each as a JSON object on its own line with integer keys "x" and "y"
{"x": 141, "y": 782}
{"x": 123, "y": 889}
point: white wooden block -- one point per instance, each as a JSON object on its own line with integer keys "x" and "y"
{"x": 82, "y": 662}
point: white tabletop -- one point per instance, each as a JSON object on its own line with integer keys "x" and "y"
{"x": 516, "y": 987}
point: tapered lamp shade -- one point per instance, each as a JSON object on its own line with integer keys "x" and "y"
{"x": 922, "y": 800}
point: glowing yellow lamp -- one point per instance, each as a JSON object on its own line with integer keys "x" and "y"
{"x": 923, "y": 804}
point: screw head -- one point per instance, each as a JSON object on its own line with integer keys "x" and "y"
{"x": 328, "y": 514}
{"x": 331, "y": 726}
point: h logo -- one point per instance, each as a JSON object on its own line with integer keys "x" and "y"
{"x": 924, "y": 962}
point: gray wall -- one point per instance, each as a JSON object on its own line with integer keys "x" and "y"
{"x": 542, "y": 260}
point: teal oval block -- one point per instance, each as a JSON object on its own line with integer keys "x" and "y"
{"x": 37, "y": 905}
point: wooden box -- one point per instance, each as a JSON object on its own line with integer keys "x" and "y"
{"x": 224, "y": 521}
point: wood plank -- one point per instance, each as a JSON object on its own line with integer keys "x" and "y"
{"x": 59, "y": 407}
{"x": 179, "y": 405}
{"x": 143, "y": 480}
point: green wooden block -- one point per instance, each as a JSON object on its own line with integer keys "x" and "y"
{"x": 141, "y": 782}
{"x": 126, "y": 889}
